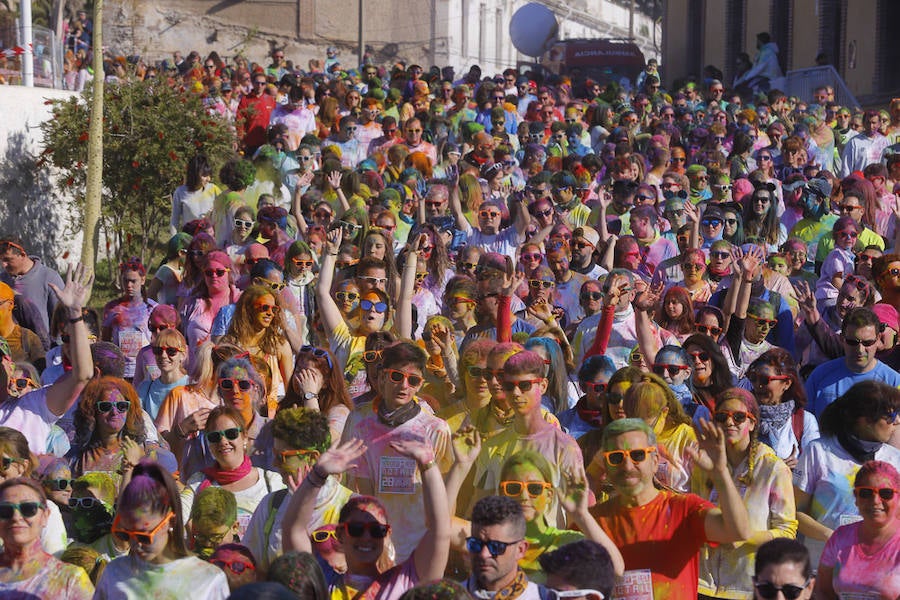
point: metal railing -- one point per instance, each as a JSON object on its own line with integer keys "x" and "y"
{"x": 47, "y": 56}
{"x": 803, "y": 82}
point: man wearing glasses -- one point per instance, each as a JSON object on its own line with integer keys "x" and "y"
{"x": 253, "y": 116}
{"x": 412, "y": 137}
{"x": 860, "y": 333}
{"x": 675, "y": 526}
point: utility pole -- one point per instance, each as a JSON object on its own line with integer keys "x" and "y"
{"x": 27, "y": 43}
{"x": 94, "y": 189}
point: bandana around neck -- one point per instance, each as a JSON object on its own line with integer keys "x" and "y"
{"x": 772, "y": 417}
{"x": 398, "y": 416}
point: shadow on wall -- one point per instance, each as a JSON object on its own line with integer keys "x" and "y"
{"x": 33, "y": 209}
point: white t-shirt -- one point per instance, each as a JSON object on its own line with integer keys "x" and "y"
{"x": 826, "y": 472}
{"x": 30, "y": 415}
{"x": 504, "y": 242}
{"x": 54, "y": 538}
{"x": 130, "y": 578}
{"x": 247, "y": 500}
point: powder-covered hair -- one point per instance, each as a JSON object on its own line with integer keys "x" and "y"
{"x": 524, "y": 362}
{"x": 152, "y": 489}
{"x": 877, "y": 468}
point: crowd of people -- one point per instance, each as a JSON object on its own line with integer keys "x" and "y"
{"x": 493, "y": 337}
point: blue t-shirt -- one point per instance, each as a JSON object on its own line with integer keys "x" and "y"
{"x": 832, "y": 379}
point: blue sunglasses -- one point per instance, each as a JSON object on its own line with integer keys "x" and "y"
{"x": 380, "y": 307}
{"x": 318, "y": 353}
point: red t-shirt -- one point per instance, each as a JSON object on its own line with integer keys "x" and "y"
{"x": 663, "y": 536}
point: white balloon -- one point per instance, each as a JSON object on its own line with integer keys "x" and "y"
{"x": 533, "y": 29}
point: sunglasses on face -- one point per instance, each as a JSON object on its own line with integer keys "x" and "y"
{"x": 241, "y": 224}
{"x": 711, "y": 222}
{"x": 318, "y": 353}
{"x": 737, "y": 416}
{"x": 615, "y": 458}
{"x": 523, "y": 386}
{"x": 530, "y": 257}
{"x": 26, "y": 509}
{"x": 588, "y": 296}
{"x": 376, "y": 530}
{"x": 380, "y": 307}
{"x": 231, "y": 434}
{"x": 320, "y": 536}
{"x": 158, "y": 328}
{"x": 537, "y": 284}
{"x": 764, "y": 157}
{"x": 478, "y": 372}
{"x": 673, "y": 370}
{"x": 514, "y": 489}
{"x": 58, "y": 485}
{"x": 850, "y": 235}
{"x": 720, "y": 254}
{"x": 763, "y": 322}
{"x": 769, "y": 590}
{"x": 267, "y": 308}
{"x": 168, "y": 350}
{"x": 857, "y": 342}
{"x": 144, "y": 538}
{"x": 121, "y": 406}
{"x": 86, "y": 503}
{"x": 374, "y": 280}
{"x": 230, "y": 383}
{"x": 343, "y": 264}
{"x": 235, "y": 566}
{"x": 544, "y": 213}
{"x": 308, "y": 456}
{"x": 848, "y": 207}
{"x": 488, "y": 214}
{"x": 594, "y": 386}
{"x": 868, "y": 493}
{"x": 701, "y": 356}
{"x": 765, "y": 379}
{"x": 396, "y": 376}
{"x": 215, "y": 272}
{"x": 24, "y": 382}
{"x": 475, "y": 545}
{"x": 346, "y": 296}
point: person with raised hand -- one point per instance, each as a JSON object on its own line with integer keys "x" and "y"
{"x": 363, "y": 527}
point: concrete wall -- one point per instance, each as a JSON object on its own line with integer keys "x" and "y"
{"x": 31, "y": 208}
{"x": 860, "y": 45}
{"x": 806, "y": 33}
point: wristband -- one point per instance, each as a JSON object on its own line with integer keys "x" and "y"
{"x": 77, "y": 319}
{"x": 427, "y": 465}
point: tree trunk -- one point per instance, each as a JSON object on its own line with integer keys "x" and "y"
{"x": 93, "y": 196}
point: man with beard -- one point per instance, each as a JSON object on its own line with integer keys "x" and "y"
{"x": 640, "y": 516}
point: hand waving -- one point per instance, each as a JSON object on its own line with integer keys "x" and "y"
{"x": 709, "y": 454}
{"x": 334, "y": 239}
{"x": 340, "y": 457}
{"x": 466, "y": 445}
{"x": 576, "y": 497}
{"x": 77, "y": 290}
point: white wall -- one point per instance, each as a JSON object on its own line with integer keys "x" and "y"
{"x": 31, "y": 207}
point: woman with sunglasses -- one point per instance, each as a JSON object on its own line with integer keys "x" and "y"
{"x": 839, "y": 264}
{"x": 197, "y": 248}
{"x": 651, "y": 400}
{"x": 862, "y": 559}
{"x": 693, "y": 266}
{"x": 55, "y": 476}
{"x": 227, "y": 436}
{"x": 16, "y": 460}
{"x": 347, "y": 337}
{"x": 23, "y": 379}
{"x": 215, "y": 290}
{"x": 673, "y": 365}
{"x": 855, "y": 429}
{"x": 711, "y": 372}
{"x": 258, "y": 326}
{"x": 784, "y": 424}
{"x": 363, "y": 527}
{"x": 760, "y": 216}
{"x": 764, "y": 482}
{"x": 27, "y": 569}
{"x": 169, "y": 349}
{"x": 241, "y": 231}
{"x": 459, "y": 305}
{"x": 317, "y": 385}
{"x": 162, "y": 317}
{"x": 472, "y": 388}
{"x": 125, "y": 318}
{"x": 377, "y": 244}
{"x": 159, "y": 564}
{"x": 110, "y": 430}
{"x": 301, "y": 435}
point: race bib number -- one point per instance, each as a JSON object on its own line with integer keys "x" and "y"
{"x": 849, "y": 520}
{"x": 396, "y": 475}
{"x": 634, "y": 585}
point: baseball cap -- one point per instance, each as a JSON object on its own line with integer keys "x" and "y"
{"x": 588, "y": 234}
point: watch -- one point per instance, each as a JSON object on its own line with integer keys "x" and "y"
{"x": 310, "y": 396}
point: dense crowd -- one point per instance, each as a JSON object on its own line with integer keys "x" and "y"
{"x": 495, "y": 337}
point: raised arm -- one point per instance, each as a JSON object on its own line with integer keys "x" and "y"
{"x": 644, "y": 303}
{"x": 334, "y": 180}
{"x": 522, "y": 218}
{"x": 63, "y": 394}
{"x": 414, "y": 253}
{"x": 575, "y": 503}
{"x": 605, "y": 199}
{"x": 693, "y": 217}
{"x": 455, "y": 206}
{"x": 331, "y": 315}
{"x": 466, "y": 446}
{"x": 431, "y": 554}
{"x": 729, "y": 522}
{"x": 336, "y": 460}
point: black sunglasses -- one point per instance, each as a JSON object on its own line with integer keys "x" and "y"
{"x": 26, "y": 509}
{"x": 768, "y": 590}
{"x": 376, "y": 530}
{"x": 475, "y": 545}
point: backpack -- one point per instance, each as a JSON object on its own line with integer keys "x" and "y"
{"x": 797, "y": 426}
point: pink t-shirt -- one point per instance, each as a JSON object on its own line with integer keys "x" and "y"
{"x": 858, "y": 574}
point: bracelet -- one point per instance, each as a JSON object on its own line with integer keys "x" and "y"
{"x": 335, "y": 254}
{"x": 77, "y": 319}
{"x": 427, "y": 465}
{"x": 316, "y": 483}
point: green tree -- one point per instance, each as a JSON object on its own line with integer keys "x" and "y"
{"x": 150, "y": 132}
